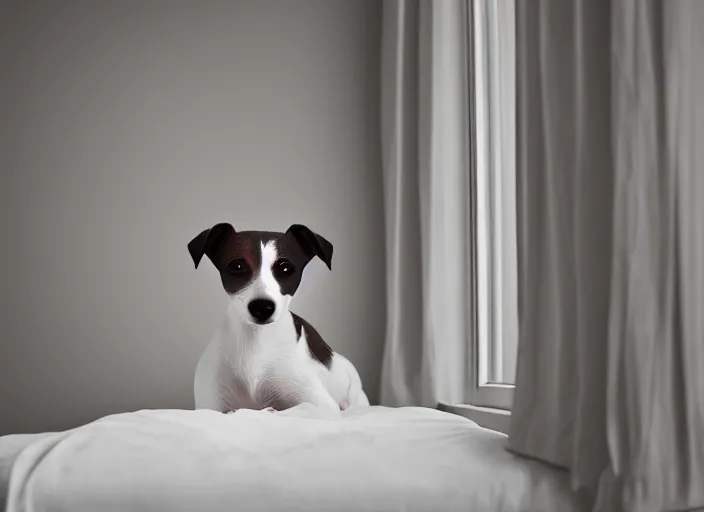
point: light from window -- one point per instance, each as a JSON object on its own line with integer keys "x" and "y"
{"x": 492, "y": 56}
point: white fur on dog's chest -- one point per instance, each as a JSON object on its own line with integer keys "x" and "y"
{"x": 257, "y": 367}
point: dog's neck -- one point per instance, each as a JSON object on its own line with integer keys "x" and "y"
{"x": 239, "y": 333}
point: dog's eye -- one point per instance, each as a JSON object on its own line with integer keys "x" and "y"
{"x": 283, "y": 268}
{"x": 237, "y": 267}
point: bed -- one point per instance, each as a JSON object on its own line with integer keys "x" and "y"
{"x": 370, "y": 459}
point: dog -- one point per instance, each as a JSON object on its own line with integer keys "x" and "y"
{"x": 263, "y": 356}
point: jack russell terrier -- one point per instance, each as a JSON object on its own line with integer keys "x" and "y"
{"x": 264, "y": 356}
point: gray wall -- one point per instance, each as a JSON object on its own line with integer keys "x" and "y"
{"x": 126, "y": 127}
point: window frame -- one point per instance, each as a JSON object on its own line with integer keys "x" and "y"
{"x": 482, "y": 319}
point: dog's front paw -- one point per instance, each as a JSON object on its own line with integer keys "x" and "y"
{"x": 268, "y": 409}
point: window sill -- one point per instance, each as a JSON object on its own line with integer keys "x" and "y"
{"x": 487, "y": 417}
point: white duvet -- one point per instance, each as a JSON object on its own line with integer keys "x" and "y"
{"x": 376, "y": 458}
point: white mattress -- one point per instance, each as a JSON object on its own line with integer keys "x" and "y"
{"x": 378, "y": 458}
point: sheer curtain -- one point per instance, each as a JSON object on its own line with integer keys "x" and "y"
{"x": 424, "y": 132}
{"x": 610, "y": 377}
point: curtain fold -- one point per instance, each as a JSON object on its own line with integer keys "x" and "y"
{"x": 424, "y": 135}
{"x": 610, "y": 376}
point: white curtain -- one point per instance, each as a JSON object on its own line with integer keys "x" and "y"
{"x": 424, "y": 132}
{"x": 610, "y": 377}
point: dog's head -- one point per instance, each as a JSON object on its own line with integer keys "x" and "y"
{"x": 260, "y": 270}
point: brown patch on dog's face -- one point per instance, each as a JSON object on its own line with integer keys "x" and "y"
{"x": 239, "y": 259}
{"x": 290, "y": 262}
{"x": 258, "y": 266}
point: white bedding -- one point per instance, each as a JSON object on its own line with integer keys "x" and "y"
{"x": 370, "y": 459}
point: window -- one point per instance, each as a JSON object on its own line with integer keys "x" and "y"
{"x": 492, "y": 92}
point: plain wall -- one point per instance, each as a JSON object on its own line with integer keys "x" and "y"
{"x": 126, "y": 128}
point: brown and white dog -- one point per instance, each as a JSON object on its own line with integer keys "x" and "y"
{"x": 264, "y": 356}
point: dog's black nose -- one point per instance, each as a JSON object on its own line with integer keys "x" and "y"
{"x": 261, "y": 309}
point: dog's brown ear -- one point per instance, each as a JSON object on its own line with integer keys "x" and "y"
{"x": 312, "y": 243}
{"x": 208, "y": 242}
